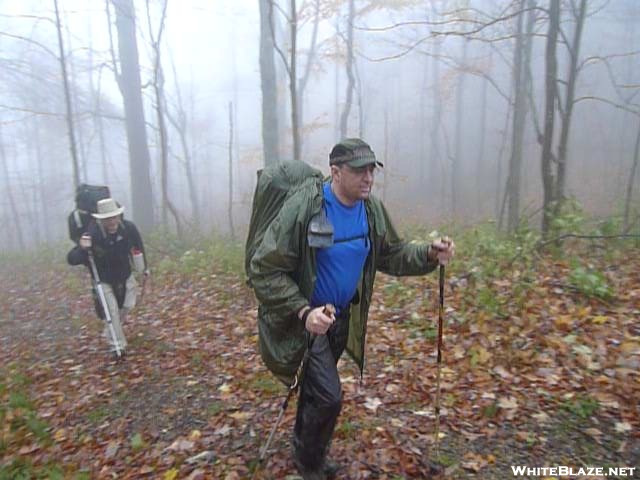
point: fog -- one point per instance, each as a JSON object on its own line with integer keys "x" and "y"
{"x": 434, "y": 92}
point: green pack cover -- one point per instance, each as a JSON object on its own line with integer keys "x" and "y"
{"x": 275, "y": 184}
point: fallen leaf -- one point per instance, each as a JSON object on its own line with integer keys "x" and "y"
{"x": 181, "y": 445}
{"x": 27, "y": 449}
{"x": 203, "y": 457}
{"x": 473, "y": 462}
{"x": 171, "y": 474}
{"x": 508, "y": 403}
{"x": 112, "y": 449}
{"x": 541, "y": 417}
{"x": 137, "y": 442}
{"x": 197, "y": 474}
{"x": 500, "y": 370}
{"x": 594, "y": 432}
{"x": 424, "y": 413}
{"x": 241, "y": 416}
{"x": 372, "y": 404}
{"x": 623, "y": 427}
{"x": 60, "y": 435}
{"x": 223, "y": 431}
{"x": 599, "y": 319}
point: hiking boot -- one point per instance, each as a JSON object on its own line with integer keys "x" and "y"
{"x": 312, "y": 475}
{"x": 330, "y": 468}
{"x": 306, "y": 473}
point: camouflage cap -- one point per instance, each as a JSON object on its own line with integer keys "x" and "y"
{"x": 353, "y": 152}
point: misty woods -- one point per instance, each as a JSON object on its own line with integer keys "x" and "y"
{"x": 515, "y": 111}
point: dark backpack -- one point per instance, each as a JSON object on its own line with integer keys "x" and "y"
{"x": 275, "y": 184}
{"x": 87, "y": 197}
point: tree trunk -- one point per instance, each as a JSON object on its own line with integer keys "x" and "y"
{"x": 481, "y": 174}
{"x": 268, "y": 82}
{"x": 344, "y": 119}
{"x": 551, "y": 93}
{"x": 522, "y": 55}
{"x": 44, "y": 203}
{"x": 434, "y": 141}
{"x": 230, "y": 201}
{"x": 457, "y": 158}
{"x": 336, "y": 85}
{"x": 130, "y": 87}
{"x": 161, "y": 107}
{"x": 423, "y": 127}
{"x": 97, "y": 117}
{"x": 180, "y": 125}
{"x": 12, "y": 203}
{"x": 361, "y": 103}
{"x": 302, "y": 84}
{"x": 293, "y": 81}
{"x": 632, "y": 176}
{"x": 82, "y": 146}
{"x": 574, "y": 52}
{"x": 67, "y": 101}
{"x": 385, "y": 182}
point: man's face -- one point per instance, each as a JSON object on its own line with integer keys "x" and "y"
{"x": 352, "y": 184}
{"x": 111, "y": 224}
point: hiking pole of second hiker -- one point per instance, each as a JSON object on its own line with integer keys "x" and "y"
{"x": 297, "y": 379}
{"x": 103, "y": 302}
{"x": 439, "y": 360}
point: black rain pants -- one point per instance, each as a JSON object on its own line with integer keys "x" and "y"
{"x": 320, "y": 397}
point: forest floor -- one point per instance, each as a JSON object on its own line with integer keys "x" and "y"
{"x": 552, "y": 381}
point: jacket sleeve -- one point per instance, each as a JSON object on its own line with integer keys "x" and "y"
{"x": 274, "y": 264}
{"x": 396, "y": 256}
{"x": 77, "y": 256}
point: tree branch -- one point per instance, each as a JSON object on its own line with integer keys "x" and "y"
{"x": 608, "y": 102}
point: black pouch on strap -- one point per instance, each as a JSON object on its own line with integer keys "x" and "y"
{"x": 320, "y": 232}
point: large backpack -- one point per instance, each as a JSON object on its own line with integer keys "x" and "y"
{"x": 275, "y": 184}
{"x": 87, "y": 197}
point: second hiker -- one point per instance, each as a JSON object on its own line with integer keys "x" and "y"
{"x": 115, "y": 244}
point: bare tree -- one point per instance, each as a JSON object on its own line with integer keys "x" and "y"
{"x": 290, "y": 66}
{"x": 268, "y": 82}
{"x": 130, "y": 87}
{"x": 161, "y": 107}
{"x": 12, "y": 203}
{"x": 304, "y": 79}
{"x": 67, "y": 100}
{"x": 579, "y": 14}
{"x": 631, "y": 181}
{"x": 521, "y": 87}
{"x": 457, "y": 157}
{"x": 344, "y": 118}
{"x": 554, "y": 180}
{"x": 230, "y": 200}
{"x": 551, "y": 93}
{"x": 179, "y": 122}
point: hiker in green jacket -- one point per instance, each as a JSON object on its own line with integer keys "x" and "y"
{"x": 294, "y": 280}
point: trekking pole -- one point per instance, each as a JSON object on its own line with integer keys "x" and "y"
{"x": 103, "y": 301}
{"x": 439, "y": 360}
{"x": 329, "y": 309}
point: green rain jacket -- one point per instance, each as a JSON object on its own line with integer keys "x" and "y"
{"x": 283, "y": 273}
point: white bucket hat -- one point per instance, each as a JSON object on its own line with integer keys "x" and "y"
{"x": 107, "y": 208}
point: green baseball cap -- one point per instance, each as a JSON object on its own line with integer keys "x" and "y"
{"x": 353, "y": 152}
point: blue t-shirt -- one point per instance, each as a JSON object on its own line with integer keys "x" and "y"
{"x": 339, "y": 267}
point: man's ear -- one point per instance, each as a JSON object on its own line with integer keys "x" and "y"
{"x": 335, "y": 171}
